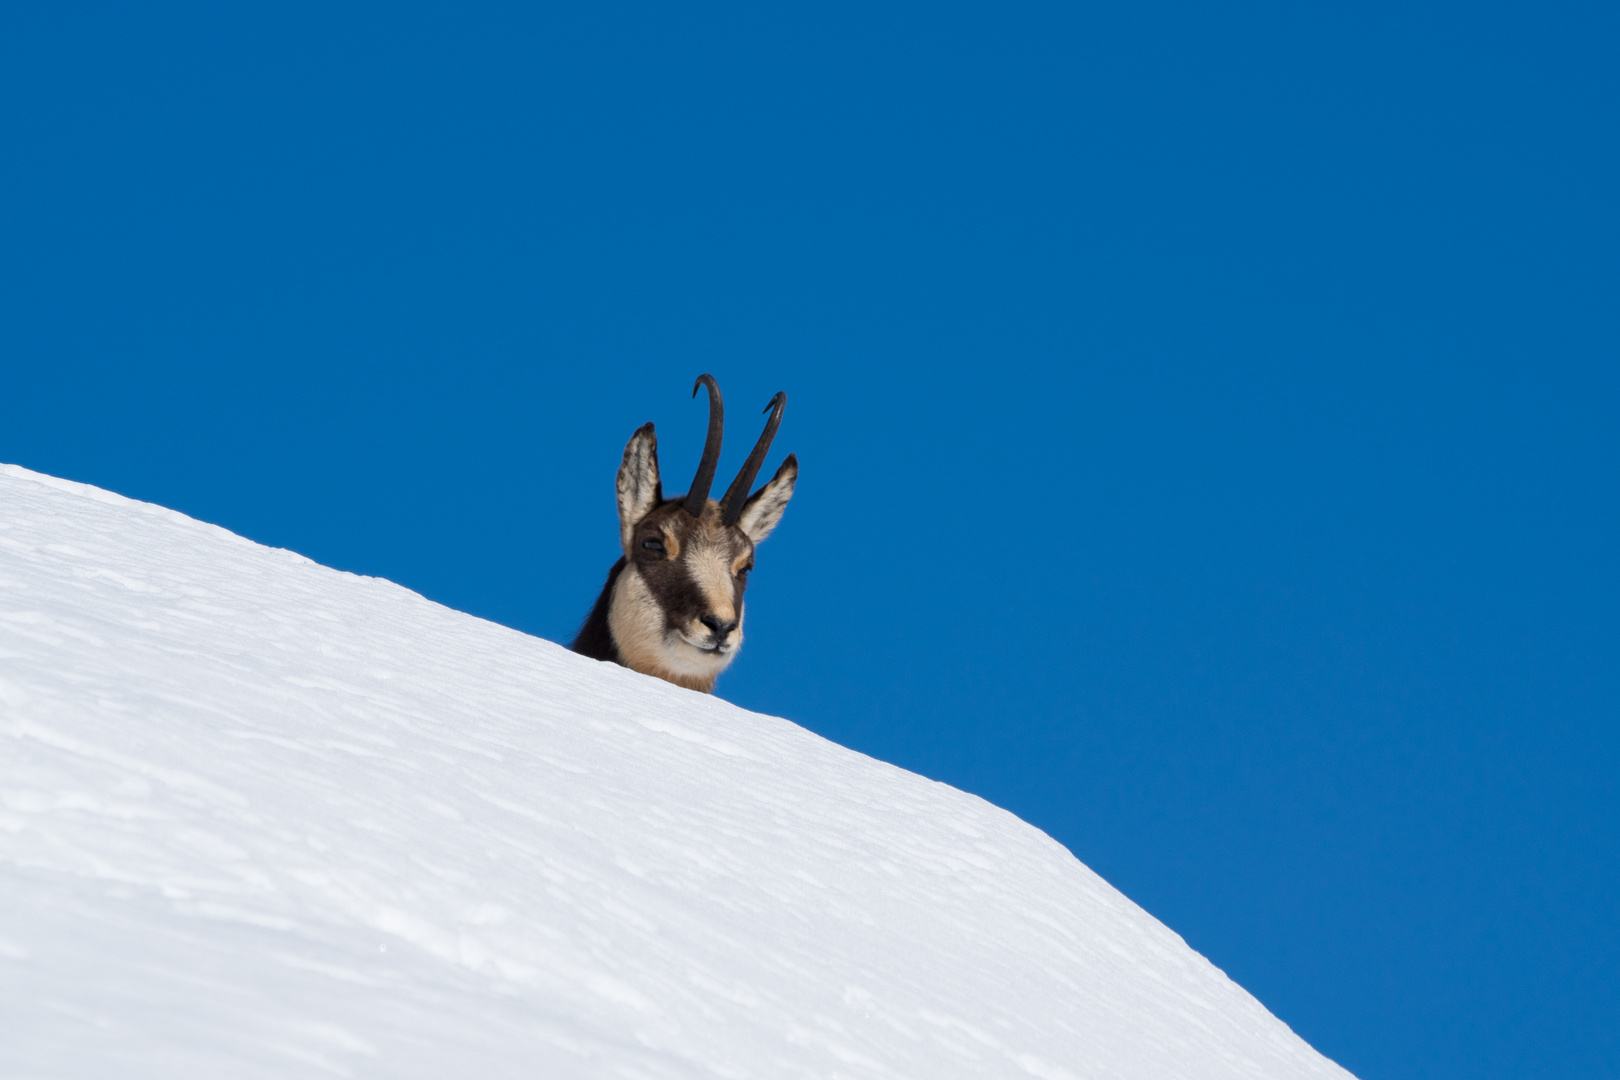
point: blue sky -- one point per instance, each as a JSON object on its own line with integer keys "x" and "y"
{"x": 1207, "y": 416}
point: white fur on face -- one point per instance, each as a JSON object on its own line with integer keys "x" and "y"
{"x": 646, "y": 645}
{"x": 709, "y": 567}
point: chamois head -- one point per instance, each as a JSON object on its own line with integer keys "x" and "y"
{"x": 673, "y": 604}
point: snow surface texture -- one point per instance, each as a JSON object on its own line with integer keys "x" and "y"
{"x": 259, "y": 818}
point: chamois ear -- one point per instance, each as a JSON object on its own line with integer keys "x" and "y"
{"x": 640, "y": 489}
{"x": 764, "y": 508}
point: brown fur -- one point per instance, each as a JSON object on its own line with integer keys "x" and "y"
{"x": 673, "y": 607}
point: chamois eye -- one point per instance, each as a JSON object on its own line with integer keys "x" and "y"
{"x": 653, "y": 545}
{"x": 743, "y": 573}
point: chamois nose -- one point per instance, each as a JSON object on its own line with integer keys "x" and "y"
{"x": 719, "y": 627}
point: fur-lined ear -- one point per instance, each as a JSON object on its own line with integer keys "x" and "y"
{"x": 640, "y": 490}
{"x": 763, "y": 510}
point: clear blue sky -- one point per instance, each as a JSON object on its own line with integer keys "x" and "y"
{"x": 1207, "y": 414}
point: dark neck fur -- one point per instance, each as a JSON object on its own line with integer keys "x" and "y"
{"x": 594, "y": 638}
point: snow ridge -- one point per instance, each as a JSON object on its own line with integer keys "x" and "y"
{"x": 260, "y": 818}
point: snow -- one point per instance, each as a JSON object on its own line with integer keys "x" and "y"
{"x": 260, "y": 818}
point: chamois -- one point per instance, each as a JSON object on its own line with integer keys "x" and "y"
{"x": 673, "y": 603}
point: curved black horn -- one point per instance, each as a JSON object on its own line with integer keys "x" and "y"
{"x": 698, "y": 497}
{"x": 737, "y": 493}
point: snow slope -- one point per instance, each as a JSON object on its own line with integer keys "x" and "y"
{"x": 259, "y": 818}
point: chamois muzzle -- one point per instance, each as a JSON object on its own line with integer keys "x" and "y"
{"x": 720, "y": 628}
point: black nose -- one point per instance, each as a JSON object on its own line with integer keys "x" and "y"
{"x": 721, "y": 629}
